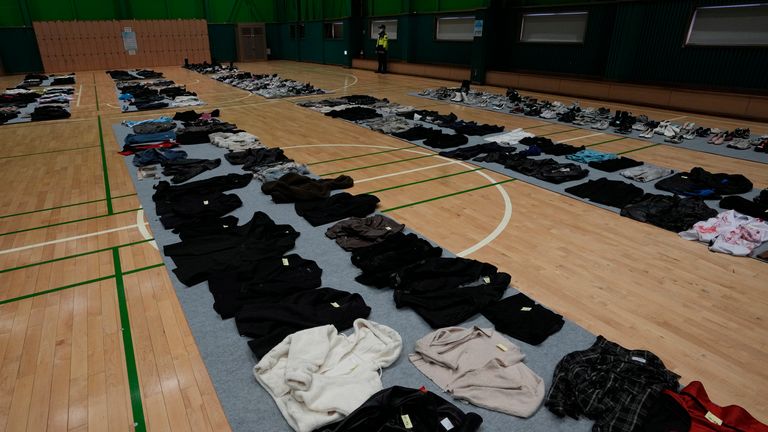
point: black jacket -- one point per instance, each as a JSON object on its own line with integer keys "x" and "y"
{"x": 387, "y": 410}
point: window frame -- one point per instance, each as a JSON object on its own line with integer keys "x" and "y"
{"x": 553, "y": 42}
{"x": 692, "y": 21}
{"x": 333, "y": 25}
{"x": 377, "y": 21}
{"x": 471, "y": 18}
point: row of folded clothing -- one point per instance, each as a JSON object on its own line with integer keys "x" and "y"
{"x": 154, "y": 94}
{"x": 23, "y": 105}
{"x": 323, "y": 380}
{"x": 46, "y": 80}
{"x": 133, "y": 74}
{"x": 268, "y": 86}
{"x": 623, "y": 122}
{"x": 520, "y": 152}
{"x": 206, "y": 68}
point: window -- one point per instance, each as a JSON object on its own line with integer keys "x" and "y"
{"x": 391, "y": 28}
{"x": 564, "y": 27}
{"x": 734, "y": 25}
{"x": 334, "y": 30}
{"x": 295, "y": 33}
{"x": 455, "y": 28}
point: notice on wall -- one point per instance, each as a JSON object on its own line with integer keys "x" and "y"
{"x": 129, "y": 40}
{"x": 478, "y": 28}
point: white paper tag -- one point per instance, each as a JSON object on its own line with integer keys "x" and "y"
{"x": 639, "y": 359}
{"x": 713, "y": 418}
{"x": 407, "y": 421}
{"x": 486, "y": 279}
{"x": 388, "y": 228}
{"x": 334, "y": 304}
{"x": 502, "y": 347}
{"x": 205, "y": 202}
{"x": 446, "y": 424}
{"x": 525, "y": 309}
{"x": 285, "y": 261}
{"x": 225, "y": 226}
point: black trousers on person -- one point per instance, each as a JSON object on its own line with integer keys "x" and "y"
{"x": 382, "y": 56}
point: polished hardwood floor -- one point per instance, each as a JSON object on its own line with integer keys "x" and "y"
{"x": 76, "y": 268}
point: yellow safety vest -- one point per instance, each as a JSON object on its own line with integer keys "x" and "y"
{"x": 383, "y": 42}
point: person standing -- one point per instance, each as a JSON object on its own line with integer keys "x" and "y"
{"x": 382, "y": 44}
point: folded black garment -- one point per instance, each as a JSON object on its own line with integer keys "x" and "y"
{"x": 466, "y": 153}
{"x": 150, "y": 105}
{"x": 49, "y": 113}
{"x": 166, "y": 195}
{"x": 354, "y": 113}
{"x": 6, "y": 115}
{"x": 255, "y": 158}
{"x": 547, "y": 146}
{"x": 268, "y": 323}
{"x": 613, "y": 165}
{"x": 120, "y": 75}
{"x": 429, "y": 116}
{"x": 63, "y": 80}
{"x": 523, "y": 319}
{"x": 702, "y": 183}
{"x": 426, "y": 412}
{"x": 472, "y": 128}
{"x": 153, "y": 127}
{"x": 181, "y": 170}
{"x": 744, "y": 206}
{"x": 548, "y": 170}
{"x": 190, "y": 210}
{"x": 191, "y": 115}
{"x": 607, "y": 192}
{"x": 336, "y": 207}
{"x": 266, "y": 280}
{"x": 448, "y": 291}
{"x": 669, "y": 211}
{"x": 417, "y": 133}
{"x": 361, "y": 99}
{"x": 199, "y": 134}
{"x": 200, "y": 257}
{"x": 294, "y": 187}
{"x": 502, "y": 157}
{"x": 379, "y": 262}
{"x": 444, "y": 140}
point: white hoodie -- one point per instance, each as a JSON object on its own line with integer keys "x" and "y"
{"x": 318, "y": 376}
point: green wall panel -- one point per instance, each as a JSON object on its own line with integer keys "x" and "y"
{"x": 451, "y": 5}
{"x": 386, "y": 7}
{"x": 222, "y": 41}
{"x": 10, "y": 14}
{"x": 186, "y": 9}
{"x": 148, "y": 9}
{"x": 425, "y": 49}
{"x": 43, "y": 10}
{"x": 18, "y": 50}
{"x": 96, "y": 10}
{"x": 336, "y": 9}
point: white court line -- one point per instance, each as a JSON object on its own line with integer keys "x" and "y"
{"x": 404, "y": 172}
{"x": 36, "y": 245}
{"x": 578, "y": 138}
{"x": 143, "y": 228}
{"x": 80, "y": 93}
{"x": 677, "y": 118}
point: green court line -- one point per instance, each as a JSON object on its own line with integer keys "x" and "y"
{"x": 95, "y": 91}
{"x": 68, "y": 222}
{"x": 641, "y": 148}
{"x": 53, "y": 290}
{"x": 366, "y": 154}
{"x": 107, "y": 189}
{"x": 74, "y": 256}
{"x": 75, "y": 285}
{"x": 606, "y": 142}
{"x": 64, "y": 206}
{"x": 139, "y": 424}
{"x": 423, "y": 181}
{"x": 378, "y": 165}
{"x": 141, "y": 269}
{"x": 48, "y": 152}
{"x": 555, "y": 133}
{"x": 447, "y": 195}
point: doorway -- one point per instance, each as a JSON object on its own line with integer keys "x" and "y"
{"x": 251, "y": 42}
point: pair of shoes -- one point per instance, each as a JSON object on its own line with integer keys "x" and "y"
{"x": 739, "y": 144}
{"x": 741, "y": 133}
{"x": 677, "y": 139}
{"x": 648, "y": 133}
{"x": 762, "y": 146}
{"x": 601, "y": 125}
{"x": 548, "y": 114}
{"x": 717, "y": 139}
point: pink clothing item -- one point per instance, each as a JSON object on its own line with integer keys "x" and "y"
{"x": 730, "y": 232}
{"x": 481, "y": 367}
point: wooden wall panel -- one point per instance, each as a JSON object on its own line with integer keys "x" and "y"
{"x": 69, "y": 46}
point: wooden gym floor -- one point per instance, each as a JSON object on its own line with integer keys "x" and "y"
{"x": 92, "y": 336}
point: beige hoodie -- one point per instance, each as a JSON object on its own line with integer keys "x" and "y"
{"x": 318, "y": 376}
{"x": 481, "y": 367}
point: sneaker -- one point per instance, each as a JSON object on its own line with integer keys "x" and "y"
{"x": 548, "y": 114}
{"x": 601, "y": 125}
{"x": 739, "y": 144}
{"x": 647, "y": 134}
